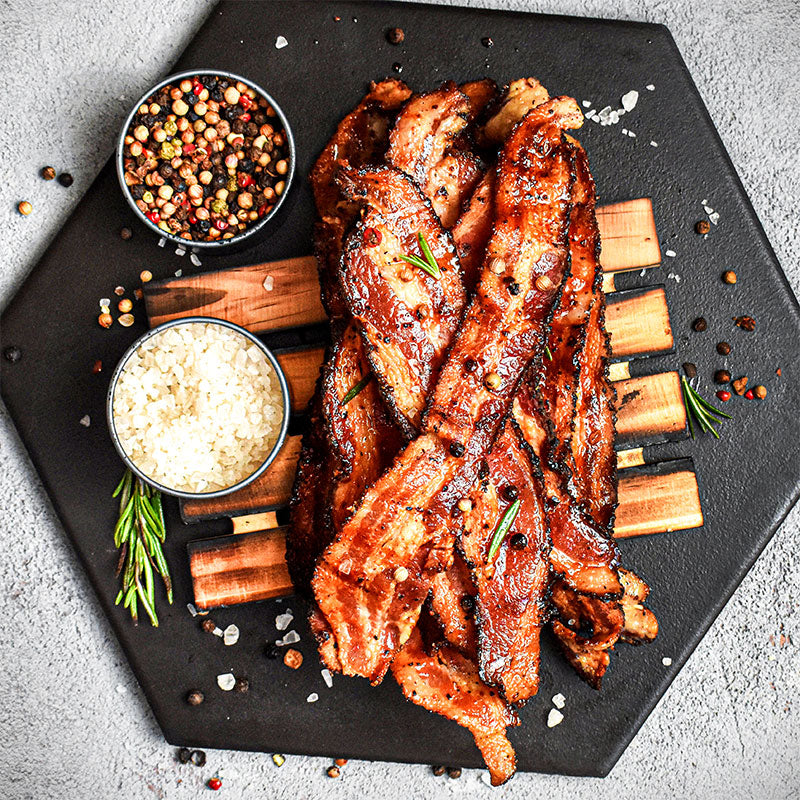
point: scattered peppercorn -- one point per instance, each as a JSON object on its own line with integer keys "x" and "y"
{"x": 438, "y": 771}
{"x": 739, "y": 385}
{"x": 184, "y": 755}
{"x": 242, "y": 685}
{"x": 470, "y": 365}
{"x": 145, "y": 276}
{"x": 272, "y": 651}
{"x": 65, "y": 179}
{"x": 340, "y": 762}
{"x": 745, "y": 323}
{"x": 195, "y": 697}
{"x": 514, "y": 288}
{"x": 722, "y": 376}
{"x": 126, "y": 233}
{"x": 492, "y": 381}
{"x": 724, "y": 395}
{"x": 464, "y": 504}
{"x": 401, "y": 574}
{"x": 214, "y": 784}
{"x": 199, "y": 758}
{"x": 510, "y": 492}
{"x": 105, "y": 320}
{"x": 126, "y": 320}
{"x": 454, "y": 772}
{"x": 457, "y": 449}
{"x": 97, "y": 367}
{"x": 729, "y": 277}
{"x": 544, "y": 284}
{"x": 293, "y": 658}
{"x": 760, "y": 391}
{"x": 397, "y": 67}
{"x": 125, "y": 305}
{"x": 119, "y": 291}
{"x": 48, "y": 173}
{"x": 395, "y": 35}
{"x": 699, "y": 324}
{"x": 24, "y": 208}
{"x": 519, "y": 541}
{"x": 12, "y": 354}
{"x": 467, "y": 603}
{"x": 333, "y": 772}
{"x": 749, "y": 394}
{"x": 487, "y": 42}
{"x": 702, "y": 227}
{"x": 690, "y": 370}
{"x": 208, "y": 625}
{"x": 778, "y": 372}
{"x": 278, "y": 759}
{"x": 723, "y": 348}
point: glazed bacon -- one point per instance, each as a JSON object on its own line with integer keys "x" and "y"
{"x": 453, "y": 598}
{"x": 408, "y": 316}
{"x": 370, "y": 604}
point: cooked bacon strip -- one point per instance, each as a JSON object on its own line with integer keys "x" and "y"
{"x": 360, "y": 138}
{"x": 641, "y": 625}
{"x": 408, "y": 316}
{"x": 480, "y": 93}
{"x": 453, "y": 605}
{"x": 512, "y": 585}
{"x": 403, "y": 520}
{"x": 472, "y": 230}
{"x": 518, "y": 99}
{"x": 447, "y": 682}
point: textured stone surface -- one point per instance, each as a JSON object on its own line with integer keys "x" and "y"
{"x": 73, "y": 719}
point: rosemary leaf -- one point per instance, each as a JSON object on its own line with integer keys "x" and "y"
{"x": 426, "y": 251}
{"x": 356, "y": 389}
{"x": 506, "y": 521}
{"x": 423, "y": 265}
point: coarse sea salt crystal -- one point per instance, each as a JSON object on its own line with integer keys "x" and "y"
{"x": 281, "y": 42}
{"x": 670, "y": 253}
{"x": 674, "y": 276}
{"x": 586, "y": 103}
{"x": 629, "y": 100}
{"x": 283, "y": 621}
{"x": 179, "y": 272}
{"x": 559, "y": 700}
{"x": 86, "y": 421}
{"x": 226, "y": 681}
{"x": 650, "y": 87}
{"x": 555, "y": 717}
{"x": 327, "y": 677}
{"x": 218, "y": 632}
{"x": 713, "y": 217}
{"x": 195, "y": 259}
{"x": 653, "y": 144}
{"x": 290, "y": 638}
{"x": 192, "y": 609}
{"x": 312, "y": 698}
{"x": 269, "y": 283}
{"x": 230, "y": 635}
{"x": 666, "y": 661}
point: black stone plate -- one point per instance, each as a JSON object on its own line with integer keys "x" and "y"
{"x": 748, "y": 479}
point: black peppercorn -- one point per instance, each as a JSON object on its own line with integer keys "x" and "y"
{"x": 454, "y": 772}
{"x": 703, "y": 227}
{"x": 510, "y": 492}
{"x": 699, "y": 324}
{"x": 467, "y": 603}
{"x": 396, "y": 36}
{"x": 439, "y": 771}
{"x": 217, "y": 94}
{"x": 272, "y": 651}
{"x": 514, "y": 288}
{"x": 198, "y": 758}
{"x": 690, "y": 370}
{"x": 137, "y": 191}
{"x": 487, "y": 42}
{"x": 722, "y": 376}
{"x": 48, "y": 173}
{"x": 483, "y": 470}
{"x": 184, "y": 755}
{"x": 519, "y": 541}
{"x": 12, "y": 354}
{"x": 126, "y": 233}
{"x": 65, "y": 179}
{"x": 397, "y": 67}
{"x": 723, "y": 348}
{"x": 242, "y": 685}
{"x": 166, "y": 170}
{"x": 457, "y": 449}
{"x": 470, "y": 365}
{"x": 195, "y": 697}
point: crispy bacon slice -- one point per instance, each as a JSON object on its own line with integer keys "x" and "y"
{"x": 518, "y": 99}
{"x": 403, "y": 519}
{"x": 453, "y": 605}
{"x": 472, "y": 230}
{"x": 408, "y": 316}
{"x": 512, "y": 585}
{"x": 443, "y": 680}
{"x": 361, "y": 138}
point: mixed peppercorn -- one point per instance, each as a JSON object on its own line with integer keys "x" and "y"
{"x": 206, "y": 158}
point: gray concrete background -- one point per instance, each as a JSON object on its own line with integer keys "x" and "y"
{"x": 72, "y": 719}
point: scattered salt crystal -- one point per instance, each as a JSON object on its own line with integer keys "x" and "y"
{"x": 312, "y": 698}
{"x": 192, "y": 609}
{"x": 713, "y": 217}
{"x": 226, "y": 682}
{"x": 586, "y": 103}
{"x": 327, "y": 677}
{"x": 643, "y": 273}
{"x": 178, "y": 273}
{"x": 707, "y": 208}
{"x": 281, "y": 42}
{"x": 218, "y": 632}
{"x": 180, "y": 251}
{"x": 230, "y": 635}
{"x": 650, "y": 87}
{"x": 86, "y": 421}
{"x": 632, "y": 134}
{"x": 105, "y": 302}
{"x": 653, "y": 144}
{"x": 674, "y": 276}
{"x": 290, "y": 638}
{"x": 283, "y": 621}
{"x": 269, "y": 283}
{"x": 629, "y": 100}
{"x": 625, "y": 131}
{"x": 554, "y": 718}
{"x": 559, "y": 700}
{"x": 195, "y": 259}
{"x": 666, "y": 661}
{"x": 704, "y": 202}
{"x": 670, "y": 253}
{"x": 162, "y": 242}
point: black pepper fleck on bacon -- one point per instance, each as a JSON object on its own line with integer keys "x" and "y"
{"x": 457, "y": 449}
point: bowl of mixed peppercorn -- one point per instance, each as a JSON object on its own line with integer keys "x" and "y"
{"x": 206, "y": 160}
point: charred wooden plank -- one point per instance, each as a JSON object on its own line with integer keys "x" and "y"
{"x": 628, "y": 233}
{"x": 638, "y": 323}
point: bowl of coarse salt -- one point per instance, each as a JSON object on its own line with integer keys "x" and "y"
{"x": 198, "y": 407}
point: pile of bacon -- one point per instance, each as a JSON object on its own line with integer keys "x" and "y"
{"x": 456, "y": 489}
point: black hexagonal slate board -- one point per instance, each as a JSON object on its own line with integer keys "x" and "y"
{"x": 748, "y": 479}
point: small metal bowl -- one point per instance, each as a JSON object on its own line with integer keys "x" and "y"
{"x": 219, "y": 492}
{"x": 254, "y": 232}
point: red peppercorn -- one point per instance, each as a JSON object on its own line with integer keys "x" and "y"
{"x": 244, "y": 180}
{"x": 189, "y": 148}
{"x": 220, "y": 224}
{"x": 262, "y": 210}
{"x": 749, "y": 394}
{"x": 154, "y": 217}
{"x": 372, "y": 237}
{"x": 245, "y": 117}
{"x": 245, "y": 101}
{"x": 724, "y": 395}
{"x": 214, "y": 783}
{"x": 197, "y": 87}
{"x": 192, "y": 219}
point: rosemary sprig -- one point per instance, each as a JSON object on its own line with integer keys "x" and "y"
{"x": 139, "y": 534}
{"x": 357, "y": 388}
{"x": 702, "y": 411}
{"x": 506, "y": 521}
{"x": 429, "y": 264}
{"x": 547, "y": 354}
